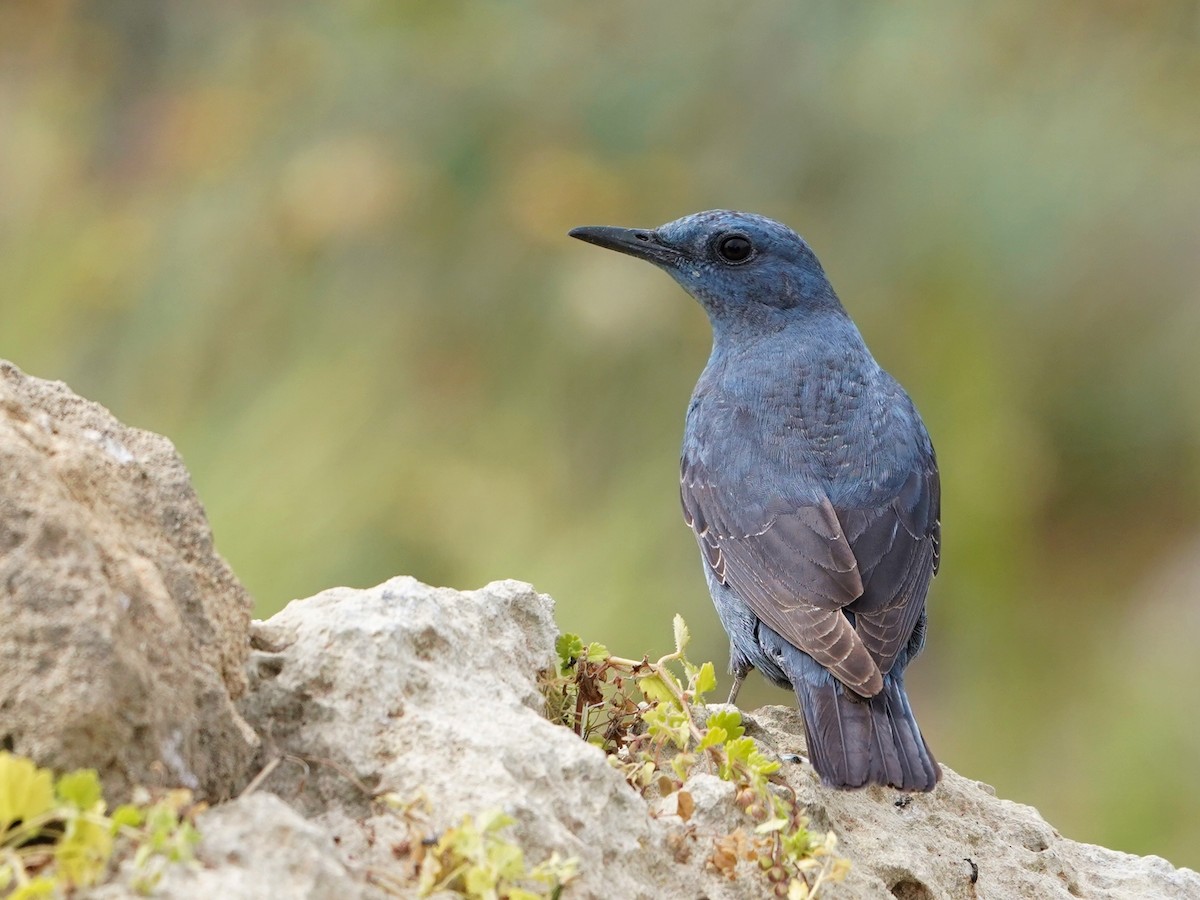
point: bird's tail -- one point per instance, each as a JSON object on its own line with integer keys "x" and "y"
{"x": 854, "y": 741}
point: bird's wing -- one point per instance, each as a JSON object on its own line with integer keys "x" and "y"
{"x": 791, "y": 564}
{"x": 897, "y": 547}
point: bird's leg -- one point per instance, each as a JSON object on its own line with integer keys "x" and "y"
{"x": 739, "y": 667}
{"x": 737, "y": 686}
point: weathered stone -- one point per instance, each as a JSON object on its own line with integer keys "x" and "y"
{"x": 253, "y": 848}
{"x": 426, "y": 691}
{"x": 430, "y": 692}
{"x": 933, "y": 845}
{"x": 124, "y": 640}
{"x": 124, "y": 633}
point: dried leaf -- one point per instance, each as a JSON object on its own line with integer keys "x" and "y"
{"x": 686, "y": 805}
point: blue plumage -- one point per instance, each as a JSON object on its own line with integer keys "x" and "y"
{"x": 812, "y": 489}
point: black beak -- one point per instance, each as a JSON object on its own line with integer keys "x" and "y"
{"x": 637, "y": 242}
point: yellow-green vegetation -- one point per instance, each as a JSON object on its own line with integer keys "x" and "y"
{"x": 56, "y": 834}
{"x": 644, "y": 715}
{"x": 474, "y": 859}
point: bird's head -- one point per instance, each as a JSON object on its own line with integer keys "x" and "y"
{"x": 743, "y": 268}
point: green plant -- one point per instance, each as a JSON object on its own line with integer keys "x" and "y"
{"x": 473, "y": 859}
{"x": 55, "y": 834}
{"x": 644, "y": 715}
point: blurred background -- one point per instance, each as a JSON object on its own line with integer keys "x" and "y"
{"x": 322, "y": 247}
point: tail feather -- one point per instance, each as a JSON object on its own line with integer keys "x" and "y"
{"x": 854, "y": 741}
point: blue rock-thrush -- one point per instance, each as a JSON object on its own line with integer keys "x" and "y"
{"x": 812, "y": 488}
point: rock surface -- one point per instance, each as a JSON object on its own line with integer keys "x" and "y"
{"x": 415, "y": 690}
{"x": 253, "y": 848}
{"x": 259, "y": 848}
{"x": 125, "y": 646}
{"x": 124, "y": 633}
{"x": 933, "y": 845}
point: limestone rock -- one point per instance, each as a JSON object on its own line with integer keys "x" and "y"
{"x": 259, "y": 848}
{"x": 416, "y": 690}
{"x": 933, "y": 845}
{"x": 253, "y": 848}
{"x": 124, "y": 634}
{"x": 124, "y": 645}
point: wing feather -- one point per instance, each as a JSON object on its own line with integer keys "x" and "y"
{"x": 802, "y": 567}
{"x": 793, "y": 568}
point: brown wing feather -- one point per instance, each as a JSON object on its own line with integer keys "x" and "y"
{"x": 799, "y": 567}
{"x": 795, "y": 570}
{"x": 897, "y": 550}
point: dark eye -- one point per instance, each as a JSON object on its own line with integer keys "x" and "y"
{"x": 734, "y": 248}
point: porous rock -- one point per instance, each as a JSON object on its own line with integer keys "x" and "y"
{"x": 420, "y": 691}
{"x": 124, "y": 642}
{"x": 124, "y": 633}
{"x": 253, "y": 848}
{"x": 960, "y": 842}
{"x": 427, "y": 692}
{"x": 259, "y": 848}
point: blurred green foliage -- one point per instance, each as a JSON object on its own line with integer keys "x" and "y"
{"x": 322, "y": 247}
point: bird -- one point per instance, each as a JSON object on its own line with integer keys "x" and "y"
{"x": 811, "y": 486}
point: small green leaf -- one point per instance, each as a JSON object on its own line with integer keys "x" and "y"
{"x": 730, "y": 721}
{"x": 555, "y": 870}
{"x": 668, "y": 723}
{"x": 184, "y": 843}
{"x": 714, "y": 737}
{"x": 84, "y": 851}
{"x": 493, "y": 820}
{"x": 390, "y": 799}
{"x": 655, "y": 689}
{"x": 761, "y": 765}
{"x": 681, "y": 765}
{"x": 26, "y": 791}
{"x": 739, "y": 749}
{"x": 569, "y": 648}
{"x": 35, "y": 889}
{"x": 771, "y": 825}
{"x": 738, "y": 755}
{"x": 706, "y": 680}
{"x": 127, "y": 816}
{"x": 473, "y": 860}
{"x": 682, "y": 635}
{"x": 506, "y": 860}
{"x": 798, "y": 843}
{"x": 81, "y": 790}
{"x": 479, "y": 882}
{"x": 596, "y": 653}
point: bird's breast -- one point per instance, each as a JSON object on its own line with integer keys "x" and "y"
{"x": 819, "y": 424}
